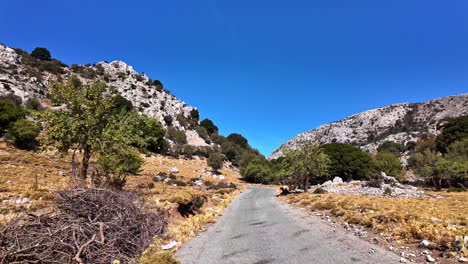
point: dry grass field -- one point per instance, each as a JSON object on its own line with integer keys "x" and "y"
{"x": 441, "y": 221}
{"x": 37, "y": 176}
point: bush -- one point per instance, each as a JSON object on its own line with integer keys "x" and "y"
{"x": 8, "y": 113}
{"x": 24, "y": 132}
{"x": 179, "y": 183}
{"x": 188, "y": 150}
{"x": 257, "y": 171}
{"x": 192, "y": 207}
{"x": 168, "y": 120}
{"x": 218, "y": 139}
{"x": 176, "y": 135}
{"x": 203, "y": 133}
{"x": 194, "y": 114}
{"x": 374, "y": 180}
{"x": 41, "y": 54}
{"x": 121, "y": 103}
{"x": 347, "y": 162}
{"x": 454, "y": 129}
{"x": 209, "y": 126}
{"x": 238, "y": 139}
{"x": 215, "y": 161}
{"x": 388, "y": 163}
{"x": 158, "y": 84}
{"x": 12, "y": 98}
{"x": 33, "y": 104}
{"x": 182, "y": 121}
{"x": 392, "y": 147}
{"x": 320, "y": 191}
{"x": 387, "y": 191}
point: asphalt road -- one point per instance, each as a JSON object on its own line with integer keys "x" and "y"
{"x": 258, "y": 229}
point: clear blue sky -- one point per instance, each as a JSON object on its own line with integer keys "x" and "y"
{"x": 267, "y": 69}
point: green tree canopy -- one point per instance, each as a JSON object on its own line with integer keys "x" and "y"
{"x": 307, "y": 164}
{"x": 209, "y": 126}
{"x": 258, "y": 170}
{"x": 239, "y": 140}
{"x": 389, "y": 163}
{"x": 41, "y": 54}
{"x": 454, "y": 129}
{"x": 392, "y": 147}
{"x": 92, "y": 125}
{"x": 215, "y": 161}
{"x": 347, "y": 162}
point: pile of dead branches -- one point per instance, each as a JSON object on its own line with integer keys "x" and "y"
{"x": 91, "y": 226}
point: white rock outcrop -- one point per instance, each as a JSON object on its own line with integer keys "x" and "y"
{"x": 400, "y": 123}
{"x": 28, "y": 82}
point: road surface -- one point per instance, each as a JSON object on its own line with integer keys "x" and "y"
{"x": 258, "y": 229}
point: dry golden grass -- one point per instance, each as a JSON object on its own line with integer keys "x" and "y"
{"x": 404, "y": 219}
{"x": 36, "y": 176}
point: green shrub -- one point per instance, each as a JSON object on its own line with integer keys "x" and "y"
{"x": 33, "y": 104}
{"x": 203, "y": 133}
{"x": 215, "y": 161}
{"x": 182, "y": 121}
{"x": 454, "y": 129}
{"x": 8, "y": 113}
{"x": 387, "y": 191}
{"x": 176, "y": 135}
{"x": 24, "y": 132}
{"x": 189, "y": 150}
{"x": 168, "y": 120}
{"x": 12, "y": 98}
{"x": 209, "y": 126}
{"x": 389, "y": 163}
{"x": 194, "y": 114}
{"x": 347, "y": 161}
{"x": 392, "y": 147}
{"x": 41, "y": 54}
{"x": 238, "y": 139}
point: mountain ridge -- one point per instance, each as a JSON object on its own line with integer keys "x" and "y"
{"x": 400, "y": 122}
{"x": 28, "y": 78}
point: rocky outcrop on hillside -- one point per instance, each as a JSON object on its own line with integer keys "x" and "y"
{"x": 399, "y": 123}
{"x": 31, "y": 79}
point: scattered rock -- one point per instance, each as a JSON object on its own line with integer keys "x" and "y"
{"x": 157, "y": 178}
{"x": 173, "y": 170}
{"x": 63, "y": 174}
{"x": 221, "y": 177}
{"x": 425, "y": 243}
{"x": 429, "y": 258}
{"x": 375, "y": 240}
{"x": 24, "y": 200}
{"x": 170, "y": 245}
{"x": 9, "y": 182}
{"x": 463, "y": 259}
{"x": 403, "y": 260}
{"x": 327, "y": 183}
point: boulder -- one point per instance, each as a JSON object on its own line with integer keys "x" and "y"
{"x": 337, "y": 180}
{"x": 327, "y": 183}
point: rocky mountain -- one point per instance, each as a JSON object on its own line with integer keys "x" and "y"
{"x": 398, "y": 122}
{"x": 27, "y": 78}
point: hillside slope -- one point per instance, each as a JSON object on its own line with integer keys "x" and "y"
{"x": 28, "y": 78}
{"x": 398, "y": 122}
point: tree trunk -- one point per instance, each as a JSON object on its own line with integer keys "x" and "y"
{"x": 85, "y": 162}
{"x": 306, "y": 185}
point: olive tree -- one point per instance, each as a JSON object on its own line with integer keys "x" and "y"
{"x": 91, "y": 124}
{"x": 306, "y": 165}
